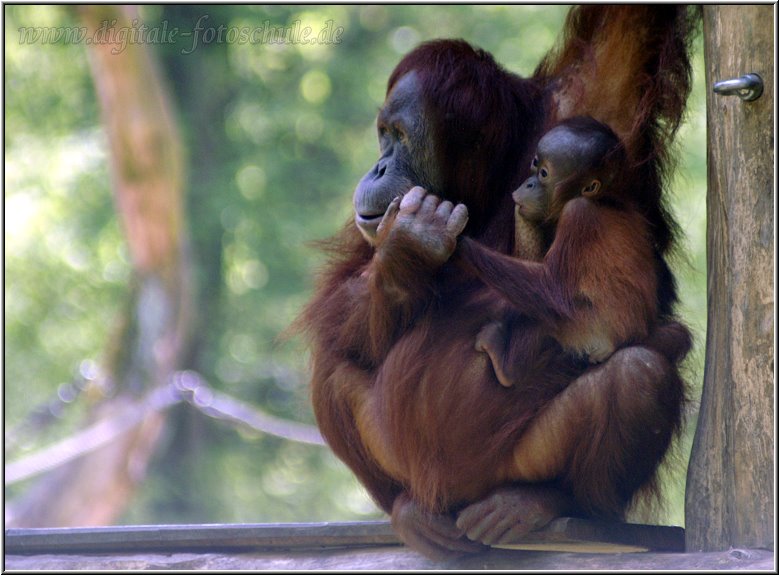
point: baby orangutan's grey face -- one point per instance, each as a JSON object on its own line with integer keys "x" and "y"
{"x": 559, "y": 157}
{"x": 532, "y": 200}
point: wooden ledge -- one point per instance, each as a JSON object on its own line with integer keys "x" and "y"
{"x": 370, "y": 545}
{"x": 564, "y": 534}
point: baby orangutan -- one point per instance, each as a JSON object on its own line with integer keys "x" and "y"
{"x": 600, "y": 269}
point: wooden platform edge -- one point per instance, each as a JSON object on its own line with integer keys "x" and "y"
{"x": 394, "y": 558}
{"x": 563, "y": 534}
{"x": 200, "y": 538}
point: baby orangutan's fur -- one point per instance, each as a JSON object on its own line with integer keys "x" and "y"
{"x": 575, "y": 188}
{"x": 578, "y": 186}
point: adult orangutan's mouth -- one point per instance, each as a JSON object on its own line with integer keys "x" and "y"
{"x": 368, "y": 223}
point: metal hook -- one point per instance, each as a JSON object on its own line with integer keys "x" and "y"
{"x": 748, "y": 87}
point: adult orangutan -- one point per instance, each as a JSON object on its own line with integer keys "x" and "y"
{"x": 399, "y": 392}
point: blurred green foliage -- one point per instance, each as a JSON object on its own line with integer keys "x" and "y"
{"x": 276, "y": 135}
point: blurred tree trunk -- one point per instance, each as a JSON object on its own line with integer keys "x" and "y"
{"x": 214, "y": 159}
{"x": 730, "y": 480}
{"x": 147, "y": 170}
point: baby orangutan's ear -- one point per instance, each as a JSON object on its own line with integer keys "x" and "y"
{"x": 591, "y": 190}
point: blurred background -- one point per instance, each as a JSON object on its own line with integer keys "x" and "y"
{"x": 258, "y": 149}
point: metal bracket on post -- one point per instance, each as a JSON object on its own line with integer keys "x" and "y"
{"x": 748, "y": 87}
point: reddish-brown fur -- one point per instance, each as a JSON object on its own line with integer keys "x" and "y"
{"x": 398, "y": 390}
{"x": 597, "y": 282}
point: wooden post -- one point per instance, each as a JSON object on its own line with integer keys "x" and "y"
{"x": 730, "y": 499}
